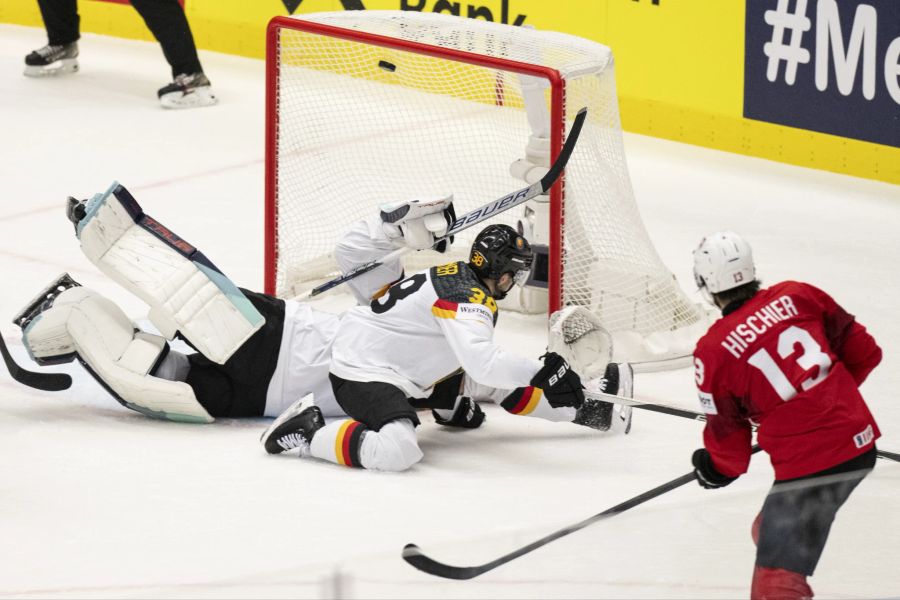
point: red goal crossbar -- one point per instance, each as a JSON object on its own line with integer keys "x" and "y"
{"x": 557, "y": 117}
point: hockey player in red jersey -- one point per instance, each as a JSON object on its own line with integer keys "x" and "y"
{"x": 790, "y": 360}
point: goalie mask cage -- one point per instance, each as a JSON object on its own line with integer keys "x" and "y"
{"x": 367, "y": 107}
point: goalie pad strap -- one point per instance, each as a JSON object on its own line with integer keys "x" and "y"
{"x": 185, "y": 291}
{"x": 83, "y": 323}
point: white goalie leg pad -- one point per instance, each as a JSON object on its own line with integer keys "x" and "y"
{"x": 82, "y": 322}
{"x": 577, "y": 335}
{"x": 185, "y": 291}
{"x": 392, "y": 448}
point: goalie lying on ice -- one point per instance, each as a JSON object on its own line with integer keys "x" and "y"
{"x": 256, "y": 355}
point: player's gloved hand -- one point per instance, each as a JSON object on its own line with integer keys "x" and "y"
{"x": 559, "y": 383}
{"x": 466, "y": 413}
{"x": 418, "y": 224}
{"x": 706, "y": 473}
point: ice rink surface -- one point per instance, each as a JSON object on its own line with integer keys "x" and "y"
{"x": 98, "y": 501}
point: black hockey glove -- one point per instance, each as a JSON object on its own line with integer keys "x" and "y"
{"x": 467, "y": 415}
{"x": 706, "y": 473}
{"x": 450, "y": 215}
{"x": 559, "y": 383}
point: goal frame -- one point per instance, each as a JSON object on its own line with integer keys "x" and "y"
{"x": 557, "y": 133}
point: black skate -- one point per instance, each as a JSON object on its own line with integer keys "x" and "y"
{"x": 187, "y": 91}
{"x": 52, "y": 60}
{"x": 294, "y": 428}
{"x": 605, "y": 416}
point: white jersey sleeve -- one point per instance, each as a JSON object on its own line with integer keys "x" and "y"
{"x": 469, "y": 330}
{"x": 364, "y": 242}
{"x": 425, "y": 328}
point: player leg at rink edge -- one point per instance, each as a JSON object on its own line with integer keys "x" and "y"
{"x": 430, "y": 324}
{"x": 791, "y": 359}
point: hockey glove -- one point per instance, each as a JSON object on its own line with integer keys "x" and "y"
{"x": 418, "y": 224}
{"x": 559, "y": 383}
{"x": 706, "y": 473}
{"x": 467, "y": 414}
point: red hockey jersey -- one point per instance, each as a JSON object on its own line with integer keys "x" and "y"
{"x": 789, "y": 360}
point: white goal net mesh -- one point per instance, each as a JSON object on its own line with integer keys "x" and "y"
{"x": 359, "y": 124}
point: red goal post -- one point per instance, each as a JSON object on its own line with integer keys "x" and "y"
{"x": 367, "y": 107}
{"x": 557, "y": 115}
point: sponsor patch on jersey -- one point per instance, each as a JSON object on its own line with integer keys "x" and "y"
{"x": 475, "y": 312}
{"x": 864, "y": 438}
{"x": 707, "y": 404}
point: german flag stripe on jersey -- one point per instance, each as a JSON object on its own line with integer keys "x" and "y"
{"x": 444, "y": 309}
{"x": 526, "y": 403}
{"x": 347, "y": 442}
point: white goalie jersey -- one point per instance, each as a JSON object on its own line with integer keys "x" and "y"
{"x": 425, "y": 328}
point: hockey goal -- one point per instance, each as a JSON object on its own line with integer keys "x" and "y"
{"x": 366, "y": 107}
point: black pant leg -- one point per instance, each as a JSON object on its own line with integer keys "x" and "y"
{"x": 61, "y": 20}
{"x": 797, "y": 515}
{"x": 169, "y": 25}
{"x": 238, "y": 388}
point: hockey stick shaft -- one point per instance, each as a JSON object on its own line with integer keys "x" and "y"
{"x": 481, "y": 213}
{"x": 49, "y": 382}
{"x": 414, "y": 556}
{"x": 687, "y": 414}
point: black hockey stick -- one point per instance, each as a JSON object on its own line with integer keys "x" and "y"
{"x": 687, "y": 414}
{"x": 414, "y": 556}
{"x": 481, "y": 213}
{"x": 49, "y": 382}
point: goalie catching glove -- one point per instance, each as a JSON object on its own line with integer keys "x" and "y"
{"x": 419, "y": 224}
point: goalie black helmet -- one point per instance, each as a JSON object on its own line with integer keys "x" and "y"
{"x": 499, "y": 249}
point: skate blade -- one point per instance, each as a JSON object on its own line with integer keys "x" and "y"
{"x": 65, "y": 66}
{"x": 39, "y": 302}
{"x": 202, "y": 96}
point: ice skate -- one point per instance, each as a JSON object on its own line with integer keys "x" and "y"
{"x": 294, "y": 428}
{"x": 52, "y": 60}
{"x": 606, "y": 416}
{"x": 189, "y": 90}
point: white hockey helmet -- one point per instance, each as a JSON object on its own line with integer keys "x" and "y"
{"x": 723, "y": 261}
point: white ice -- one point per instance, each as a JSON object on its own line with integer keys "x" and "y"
{"x": 98, "y": 501}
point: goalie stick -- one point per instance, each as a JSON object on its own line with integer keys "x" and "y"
{"x": 415, "y": 557}
{"x": 682, "y": 412}
{"x": 481, "y": 213}
{"x": 49, "y": 382}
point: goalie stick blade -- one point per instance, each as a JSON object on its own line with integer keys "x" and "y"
{"x": 559, "y": 164}
{"x": 482, "y": 213}
{"x": 48, "y": 382}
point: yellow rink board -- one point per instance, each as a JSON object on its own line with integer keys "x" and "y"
{"x": 680, "y": 63}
